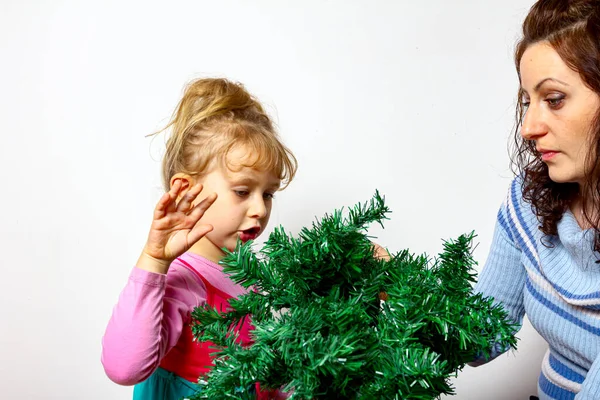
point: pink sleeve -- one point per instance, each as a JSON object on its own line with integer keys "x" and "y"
{"x": 147, "y": 321}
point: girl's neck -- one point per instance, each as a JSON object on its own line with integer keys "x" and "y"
{"x": 207, "y": 249}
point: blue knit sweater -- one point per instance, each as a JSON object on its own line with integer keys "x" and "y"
{"x": 558, "y": 287}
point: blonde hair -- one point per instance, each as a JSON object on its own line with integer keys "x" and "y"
{"x": 214, "y": 116}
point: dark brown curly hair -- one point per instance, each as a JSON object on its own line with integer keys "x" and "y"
{"x": 572, "y": 28}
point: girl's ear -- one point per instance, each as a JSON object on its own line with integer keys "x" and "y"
{"x": 186, "y": 180}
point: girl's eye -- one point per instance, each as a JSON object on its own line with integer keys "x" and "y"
{"x": 268, "y": 196}
{"x": 242, "y": 193}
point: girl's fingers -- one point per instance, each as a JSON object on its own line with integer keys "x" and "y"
{"x": 162, "y": 207}
{"x": 188, "y": 197}
{"x": 198, "y": 232}
{"x": 200, "y": 208}
{"x": 173, "y": 194}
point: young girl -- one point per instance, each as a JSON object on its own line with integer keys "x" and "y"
{"x": 222, "y": 166}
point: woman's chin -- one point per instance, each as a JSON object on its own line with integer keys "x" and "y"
{"x": 559, "y": 176}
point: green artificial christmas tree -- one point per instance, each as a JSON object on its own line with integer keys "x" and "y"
{"x": 334, "y": 322}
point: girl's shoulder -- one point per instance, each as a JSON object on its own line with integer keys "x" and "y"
{"x": 184, "y": 281}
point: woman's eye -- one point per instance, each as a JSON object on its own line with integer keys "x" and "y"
{"x": 555, "y": 102}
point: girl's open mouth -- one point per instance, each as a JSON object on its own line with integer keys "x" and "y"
{"x": 249, "y": 234}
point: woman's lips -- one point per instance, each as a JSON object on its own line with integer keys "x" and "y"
{"x": 548, "y": 155}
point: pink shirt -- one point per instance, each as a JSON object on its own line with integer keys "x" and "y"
{"x": 151, "y": 313}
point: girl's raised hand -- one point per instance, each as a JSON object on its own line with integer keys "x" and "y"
{"x": 175, "y": 227}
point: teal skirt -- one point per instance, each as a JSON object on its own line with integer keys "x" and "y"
{"x": 164, "y": 385}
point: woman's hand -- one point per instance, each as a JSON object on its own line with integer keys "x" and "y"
{"x": 380, "y": 253}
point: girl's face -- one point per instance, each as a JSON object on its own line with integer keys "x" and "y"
{"x": 559, "y": 112}
{"x": 243, "y": 205}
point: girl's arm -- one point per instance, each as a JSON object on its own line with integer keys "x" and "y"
{"x": 147, "y": 322}
{"x": 158, "y": 298}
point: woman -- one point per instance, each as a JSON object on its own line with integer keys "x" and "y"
{"x": 544, "y": 257}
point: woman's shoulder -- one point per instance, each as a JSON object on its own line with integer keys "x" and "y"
{"x": 515, "y": 207}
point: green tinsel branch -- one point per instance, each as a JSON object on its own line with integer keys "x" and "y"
{"x": 321, "y": 330}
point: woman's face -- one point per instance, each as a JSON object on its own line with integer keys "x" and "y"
{"x": 559, "y": 114}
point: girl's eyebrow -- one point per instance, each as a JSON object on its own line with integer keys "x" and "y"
{"x": 243, "y": 179}
{"x": 250, "y": 180}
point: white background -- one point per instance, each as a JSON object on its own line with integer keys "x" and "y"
{"x": 415, "y": 99}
